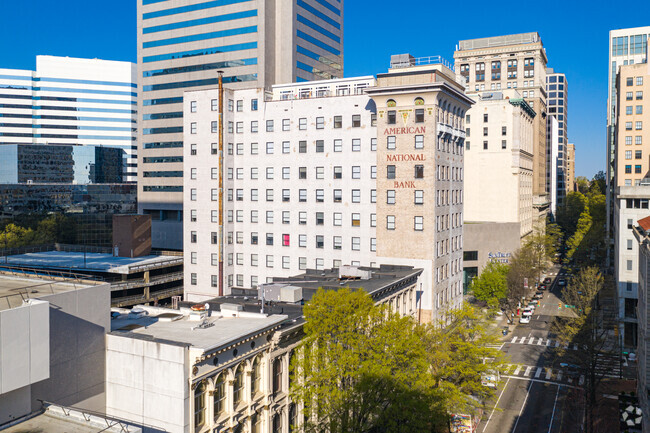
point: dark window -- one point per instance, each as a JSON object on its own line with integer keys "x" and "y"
{"x": 302, "y": 173}
{"x": 628, "y": 169}
{"x": 356, "y": 120}
{"x": 302, "y": 146}
{"x": 277, "y": 376}
{"x": 485, "y": 118}
{"x": 392, "y": 117}
{"x": 419, "y": 172}
{"x": 637, "y": 154}
{"x": 390, "y": 172}
{"x": 470, "y": 255}
{"x": 637, "y": 169}
{"x": 338, "y": 122}
{"x": 485, "y": 145}
{"x": 320, "y": 146}
{"x": 419, "y": 115}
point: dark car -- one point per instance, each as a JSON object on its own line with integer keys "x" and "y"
{"x": 542, "y": 287}
{"x": 547, "y": 280}
{"x": 505, "y": 330}
{"x": 561, "y": 282}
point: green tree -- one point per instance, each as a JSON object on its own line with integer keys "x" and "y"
{"x": 598, "y": 183}
{"x": 13, "y": 236}
{"x": 583, "y": 184}
{"x": 521, "y": 273}
{"x": 586, "y": 325}
{"x": 570, "y": 212}
{"x": 491, "y": 286}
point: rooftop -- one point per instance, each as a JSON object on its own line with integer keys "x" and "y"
{"x": 80, "y": 261}
{"x": 57, "y": 419}
{"x": 205, "y": 330}
{"x": 499, "y": 41}
{"x": 16, "y": 288}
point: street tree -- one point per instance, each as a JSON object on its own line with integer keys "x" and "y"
{"x": 586, "y": 324}
{"x": 521, "y": 275}
{"x": 491, "y": 286}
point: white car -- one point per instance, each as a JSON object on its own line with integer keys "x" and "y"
{"x": 524, "y": 319}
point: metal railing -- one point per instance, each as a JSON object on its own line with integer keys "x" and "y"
{"x": 420, "y": 61}
{"x": 140, "y": 282}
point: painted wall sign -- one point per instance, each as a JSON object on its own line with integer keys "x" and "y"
{"x": 405, "y": 157}
{"x": 406, "y": 130}
{"x": 405, "y": 184}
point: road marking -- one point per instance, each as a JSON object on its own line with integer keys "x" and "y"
{"x": 517, "y": 370}
{"x": 522, "y": 406}
{"x": 496, "y": 404}
{"x": 541, "y": 381}
{"x": 549, "y": 372}
{"x": 548, "y": 342}
{"x": 550, "y": 425}
{"x": 539, "y": 342}
{"x": 531, "y": 340}
{"x": 557, "y": 343}
{"x": 538, "y": 372}
{"x": 527, "y": 372}
{"x": 514, "y": 340}
{"x": 582, "y": 380}
{"x": 559, "y": 375}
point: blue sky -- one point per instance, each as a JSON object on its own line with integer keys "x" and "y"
{"x": 574, "y": 32}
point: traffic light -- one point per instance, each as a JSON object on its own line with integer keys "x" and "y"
{"x": 559, "y": 305}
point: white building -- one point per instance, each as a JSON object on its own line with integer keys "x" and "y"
{"x": 72, "y": 101}
{"x": 498, "y": 185}
{"x": 321, "y": 174}
{"x": 557, "y": 125}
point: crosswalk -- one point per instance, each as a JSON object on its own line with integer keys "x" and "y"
{"x": 537, "y": 341}
{"x": 541, "y": 373}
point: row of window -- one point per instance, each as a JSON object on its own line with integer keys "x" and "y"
{"x": 337, "y": 172}
{"x": 629, "y": 109}
{"x": 238, "y": 127}
{"x": 638, "y": 96}
{"x": 630, "y": 81}
{"x": 638, "y": 154}
{"x": 637, "y": 139}
{"x": 286, "y": 147}
{"x": 638, "y": 125}
{"x": 504, "y": 145}
{"x": 628, "y": 169}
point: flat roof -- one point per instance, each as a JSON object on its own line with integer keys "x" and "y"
{"x": 64, "y": 260}
{"x": 182, "y": 327}
{"x": 54, "y": 419}
{"x": 14, "y": 288}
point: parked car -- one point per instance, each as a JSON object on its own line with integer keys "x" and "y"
{"x": 538, "y": 295}
{"x": 547, "y": 280}
{"x": 561, "y": 282}
{"x": 505, "y": 330}
{"x": 542, "y": 287}
{"x": 524, "y": 319}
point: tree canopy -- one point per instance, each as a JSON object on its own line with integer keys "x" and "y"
{"x": 491, "y": 286}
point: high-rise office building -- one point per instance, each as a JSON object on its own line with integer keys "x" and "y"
{"x": 70, "y": 101}
{"x": 518, "y": 62}
{"x": 316, "y": 175}
{"x": 182, "y": 45}
{"x": 556, "y": 149}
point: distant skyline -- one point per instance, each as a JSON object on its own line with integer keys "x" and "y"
{"x": 576, "y": 43}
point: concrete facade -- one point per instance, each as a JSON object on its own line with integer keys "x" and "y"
{"x": 182, "y": 45}
{"x": 513, "y": 61}
{"x": 487, "y": 242}
{"x": 307, "y": 184}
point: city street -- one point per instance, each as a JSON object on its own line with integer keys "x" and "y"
{"x": 536, "y": 394}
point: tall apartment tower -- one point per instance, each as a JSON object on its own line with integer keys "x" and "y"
{"x": 626, "y": 47}
{"x": 518, "y": 62}
{"x": 182, "y": 45}
{"x": 557, "y": 102}
{"x": 631, "y": 197}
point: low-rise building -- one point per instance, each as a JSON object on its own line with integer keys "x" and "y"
{"x": 224, "y": 366}
{"x": 51, "y": 343}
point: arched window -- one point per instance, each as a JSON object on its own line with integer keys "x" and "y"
{"x": 277, "y": 423}
{"x": 293, "y": 418}
{"x": 238, "y": 386}
{"x": 199, "y": 406}
{"x": 256, "y": 377}
{"x": 419, "y": 101}
{"x": 219, "y": 396}
{"x": 277, "y": 375}
{"x": 391, "y": 103}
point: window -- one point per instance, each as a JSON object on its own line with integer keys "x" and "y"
{"x": 356, "y": 220}
{"x": 286, "y": 172}
{"x": 373, "y": 244}
{"x": 638, "y": 154}
{"x": 302, "y": 172}
{"x": 638, "y": 125}
{"x": 254, "y": 173}
{"x": 373, "y": 144}
{"x": 356, "y": 172}
{"x": 629, "y": 96}
{"x": 628, "y": 154}
{"x": 214, "y": 105}
{"x": 373, "y": 196}
{"x": 639, "y": 109}
{"x": 302, "y": 195}
{"x": 302, "y": 146}
{"x": 628, "y": 169}
{"x": 214, "y": 216}
{"x": 269, "y": 261}
{"x": 419, "y": 115}
{"x": 269, "y": 195}
{"x": 356, "y": 145}
{"x": 338, "y": 219}
{"x": 193, "y": 127}
{"x": 302, "y": 123}
{"x": 637, "y": 169}
{"x": 193, "y": 258}
{"x": 639, "y": 96}
{"x": 356, "y": 120}
{"x": 373, "y": 220}
{"x": 419, "y": 141}
{"x": 338, "y": 122}
{"x": 192, "y": 173}
{"x": 286, "y": 195}
{"x": 239, "y": 127}
{"x": 419, "y": 197}
{"x": 629, "y": 244}
{"x": 628, "y": 140}
{"x": 254, "y": 217}
{"x": 390, "y": 142}
{"x": 320, "y": 241}
{"x": 231, "y": 105}
{"x": 320, "y": 123}
{"x": 419, "y": 171}
{"x": 193, "y": 279}
{"x": 238, "y": 384}
{"x": 193, "y": 215}
{"x": 320, "y": 195}
{"x": 639, "y": 81}
{"x": 373, "y": 172}
{"x": 356, "y": 196}
{"x": 302, "y": 263}
{"x": 338, "y": 145}
{"x": 269, "y": 172}
{"x": 254, "y": 149}
{"x": 390, "y": 172}
{"x": 629, "y": 81}
{"x": 391, "y": 117}
{"x": 269, "y": 126}
{"x": 629, "y": 265}
{"x": 485, "y": 118}
{"x": 390, "y": 196}
{"x": 286, "y": 124}
{"x": 337, "y": 242}
{"x": 219, "y": 396}
{"x": 254, "y": 126}
{"x": 485, "y": 132}
{"x": 637, "y": 139}
{"x": 338, "y": 195}
{"x": 338, "y": 172}
{"x": 390, "y": 222}
{"x": 628, "y": 126}
{"x": 193, "y": 194}
{"x": 285, "y": 262}
{"x": 628, "y": 110}
{"x": 192, "y": 149}
{"x": 193, "y": 106}
{"x": 199, "y": 405}
{"x": 253, "y": 104}
{"x": 418, "y": 223}
{"x": 504, "y": 144}
{"x": 485, "y": 145}
{"x": 286, "y": 217}
{"x": 320, "y": 146}
{"x": 269, "y": 147}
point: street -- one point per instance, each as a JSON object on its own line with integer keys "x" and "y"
{"x": 536, "y": 394}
